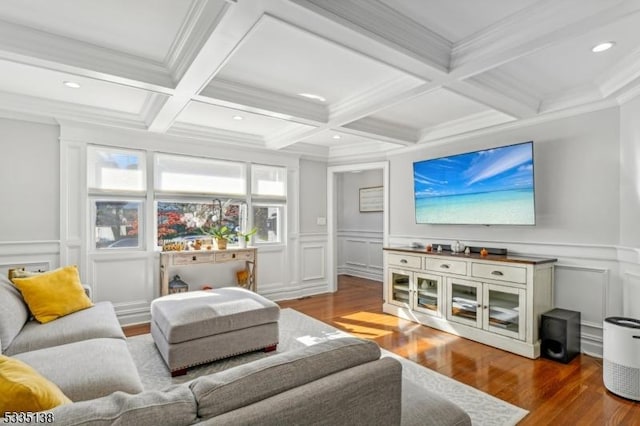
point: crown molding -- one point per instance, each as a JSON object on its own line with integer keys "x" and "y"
{"x": 629, "y": 93}
{"x": 385, "y": 25}
{"x": 57, "y": 110}
{"x": 574, "y": 97}
{"x": 478, "y": 91}
{"x": 34, "y": 47}
{"x": 515, "y": 124}
{"x": 381, "y": 130}
{"x": 538, "y": 26}
{"x": 624, "y": 72}
{"x": 202, "y": 18}
{"x": 360, "y": 151}
{"x": 508, "y": 86}
{"x": 463, "y": 125}
{"x": 25, "y": 116}
{"x": 152, "y": 105}
{"x": 251, "y": 99}
{"x": 362, "y": 104}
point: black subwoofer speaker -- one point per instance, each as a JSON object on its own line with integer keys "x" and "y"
{"x": 560, "y": 335}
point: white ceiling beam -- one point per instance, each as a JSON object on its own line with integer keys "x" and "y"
{"x": 241, "y": 97}
{"x": 41, "y": 49}
{"x": 351, "y": 111}
{"x": 232, "y": 26}
{"x": 377, "y": 21}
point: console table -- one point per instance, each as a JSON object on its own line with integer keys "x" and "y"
{"x": 494, "y": 299}
{"x": 169, "y": 259}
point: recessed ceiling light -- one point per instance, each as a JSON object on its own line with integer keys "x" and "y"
{"x": 336, "y": 136}
{"x": 71, "y": 84}
{"x": 603, "y": 46}
{"x": 312, "y": 96}
{"x": 238, "y": 117}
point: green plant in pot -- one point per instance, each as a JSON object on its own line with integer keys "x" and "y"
{"x": 221, "y": 235}
{"x": 245, "y": 237}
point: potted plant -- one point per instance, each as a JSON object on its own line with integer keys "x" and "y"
{"x": 243, "y": 238}
{"x": 220, "y": 234}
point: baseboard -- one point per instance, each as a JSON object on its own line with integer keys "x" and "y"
{"x": 375, "y": 275}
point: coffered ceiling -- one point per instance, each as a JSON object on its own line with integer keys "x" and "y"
{"x": 328, "y": 79}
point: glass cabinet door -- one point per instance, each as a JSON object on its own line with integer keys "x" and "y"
{"x": 399, "y": 283}
{"x": 428, "y": 294}
{"x": 504, "y": 310}
{"x": 464, "y": 302}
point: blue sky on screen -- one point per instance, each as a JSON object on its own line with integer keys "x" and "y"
{"x": 497, "y": 169}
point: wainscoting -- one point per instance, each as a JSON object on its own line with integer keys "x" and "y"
{"x": 360, "y": 254}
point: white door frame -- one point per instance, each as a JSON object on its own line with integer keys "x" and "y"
{"x": 332, "y": 212}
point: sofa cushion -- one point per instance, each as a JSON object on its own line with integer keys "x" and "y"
{"x": 246, "y": 384}
{"x": 53, "y": 294}
{"x": 23, "y": 389}
{"x": 95, "y": 322}
{"x": 173, "y": 406}
{"x": 367, "y": 394}
{"x": 13, "y": 312}
{"x": 87, "y": 369}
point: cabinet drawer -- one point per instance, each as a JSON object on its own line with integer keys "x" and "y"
{"x": 189, "y": 258}
{"x": 446, "y": 265}
{"x": 499, "y": 272}
{"x": 404, "y": 260}
{"x": 228, "y": 256}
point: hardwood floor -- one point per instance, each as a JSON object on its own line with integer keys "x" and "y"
{"x": 554, "y": 393}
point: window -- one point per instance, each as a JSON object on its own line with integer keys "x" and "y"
{"x": 267, "y": 219}
{"x": 268, "y": 181}
{"x": 112, "y": 169}
{"x": 117, "y": 224}
{"x": 117, "y": 183}
{"x": 182, "y": 221}
{"x": 180, "y": 174}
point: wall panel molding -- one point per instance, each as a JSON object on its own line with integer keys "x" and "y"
{"x": 360, "y": 253}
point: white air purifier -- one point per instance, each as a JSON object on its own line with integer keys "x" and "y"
{"x": 621, "y": 356}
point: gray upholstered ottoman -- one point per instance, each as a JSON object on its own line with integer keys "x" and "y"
{"x": 202, "y": 326}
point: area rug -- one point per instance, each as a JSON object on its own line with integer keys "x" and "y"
{"x": 298, "y": 330}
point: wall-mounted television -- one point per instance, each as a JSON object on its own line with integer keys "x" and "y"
{"x": 489, "y": 187}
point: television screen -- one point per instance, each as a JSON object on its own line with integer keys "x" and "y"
{"x": 489, "y": 187}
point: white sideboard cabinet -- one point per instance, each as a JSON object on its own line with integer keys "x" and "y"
{"x": 494, "y": 299}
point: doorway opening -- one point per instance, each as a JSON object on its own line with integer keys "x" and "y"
{"x": 335, "y": 202}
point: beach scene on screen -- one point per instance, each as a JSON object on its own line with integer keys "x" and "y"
{"x": 489, "y": 187}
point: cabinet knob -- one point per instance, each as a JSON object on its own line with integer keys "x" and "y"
{"x": 498, "y": 273}
{"x": 486, "y": 307}
{"x": 403, "y": 260}
{"x": 193, "y": 258}
{"x": 444, "y": 266}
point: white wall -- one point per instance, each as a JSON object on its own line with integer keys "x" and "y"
{"x": 577, "y": 177}
{"x": 30, "y": 181}
{"x": 29, "y": 190}
{"x": 629, "y": 252}
{"x": 359, "y": 235}
{"x": 313, "y": 235}
{"x": 313, "y": 196}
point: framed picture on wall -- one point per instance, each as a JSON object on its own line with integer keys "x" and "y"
{"x": 371, "y": 199}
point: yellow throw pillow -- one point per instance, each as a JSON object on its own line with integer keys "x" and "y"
{"x": 23, "y": 389}
{"x": 54, "y": 294}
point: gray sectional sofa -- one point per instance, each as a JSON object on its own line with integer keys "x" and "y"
{"x": 341, "y": 381}
{"x": 337, "y": 382}
{"x": 84, "y": 353}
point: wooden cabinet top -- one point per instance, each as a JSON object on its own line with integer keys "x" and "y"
{"x": 475, "y": 256}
